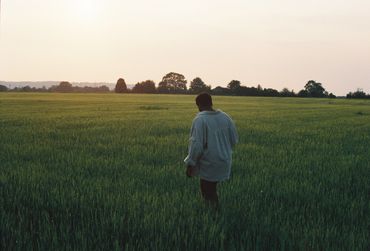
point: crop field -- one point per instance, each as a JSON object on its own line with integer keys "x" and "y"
{"x": 106, "y": 172}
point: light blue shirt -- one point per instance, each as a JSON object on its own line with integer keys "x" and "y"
{"x": 212, "y": 137}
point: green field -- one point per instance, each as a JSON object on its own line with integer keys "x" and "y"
{"x": 105, "y": 172}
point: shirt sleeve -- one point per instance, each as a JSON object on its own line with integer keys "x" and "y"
{"x": 233, "y": 134}
{"x": 196, "y": 142}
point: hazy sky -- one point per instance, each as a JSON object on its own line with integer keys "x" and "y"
{"x": 274, "y": 43}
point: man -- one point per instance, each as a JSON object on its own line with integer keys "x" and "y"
{"x": 212, "y": 137}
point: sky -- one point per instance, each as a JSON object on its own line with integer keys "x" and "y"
{"x": 273, "y": 43}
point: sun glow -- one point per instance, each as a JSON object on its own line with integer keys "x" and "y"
{"x": 86, "y": 10}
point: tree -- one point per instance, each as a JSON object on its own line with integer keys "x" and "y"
{"x": 220, "y": 91}
{"x": 3, "y": 88}
{"x": 303, "y": 93}
{"x": 198, "y": 86}
{"x": 269, "y": 92}
{"x": 246, "y": 91}
{"x": 27, "y": 88}
{"x": 64, "y": 86}
{"x": 172, "y": 83}
{"x": 285, "y": 92}
{"x": 357, "y": 94}
{"x": 103, "y": 88}
{"x": 314, "y": 89}
{"x": 234, "y": 85}
{"x": 147, "y": 86}
{"x": 121, "y": 86}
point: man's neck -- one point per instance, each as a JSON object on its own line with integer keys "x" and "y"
{"x": 206, "y": 108}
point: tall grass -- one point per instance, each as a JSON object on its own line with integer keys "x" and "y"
{"x": 105, "y": 172}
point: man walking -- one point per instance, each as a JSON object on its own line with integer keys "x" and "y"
{"x": 212, "y": 137}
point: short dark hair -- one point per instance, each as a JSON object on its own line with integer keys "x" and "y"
{"x": 204, "y": 100}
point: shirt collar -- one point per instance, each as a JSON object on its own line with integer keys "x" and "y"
{"x": 210, "y": 112}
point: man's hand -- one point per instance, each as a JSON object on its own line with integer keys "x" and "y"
{"x": 189, "y": 171}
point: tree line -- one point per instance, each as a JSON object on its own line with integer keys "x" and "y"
{"x": 358, "y": 94}
{"x": 176, "y": 83}
{"x": 63, "y": 86}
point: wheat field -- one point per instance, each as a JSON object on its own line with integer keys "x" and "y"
{"x": 105, "y": 172}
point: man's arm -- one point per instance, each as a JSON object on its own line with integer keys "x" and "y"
{"x": 196, "y": 144}
{"x": 234, "y": 137}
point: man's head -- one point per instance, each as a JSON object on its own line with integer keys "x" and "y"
{"x": 204, "y": 101}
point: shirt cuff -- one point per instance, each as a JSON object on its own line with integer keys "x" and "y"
{"x": 189, "y": 162}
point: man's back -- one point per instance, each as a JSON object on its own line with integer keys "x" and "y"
{"x": 213, "y": 135}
